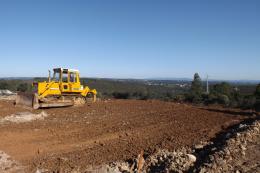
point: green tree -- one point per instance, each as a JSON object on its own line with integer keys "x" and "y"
{"x": 257, "y": 95}
{"x": 4, "y": 85}
{"x": 196, "y": 90}
{"x": 248, "y": 102}
{"x": 196, "y": 86}
{"x": 223, "y": 88}
{"x": 257, "y": 92}
{"x": 223, "y": 99}
{"x": 23, "y": 87}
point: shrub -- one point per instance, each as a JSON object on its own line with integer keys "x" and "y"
{"x": 257, "y": 105}
{"x": 121, "y": 95}
{"x": 100, "y": 95}
{"x": 257, "y": 92}
{"x": 222, "y": 88}
{"x": 236, "y": 99}
{"x": 145, "y": 97}
{"x": 179, "y": 98}
{"x": 4, "y": 85}
{"x": 196, "y": 98}
{"x": 223, "y": 99}
{"x": 23, "y": 87}
{"x": 257, "y": 95}
{"x": 210, "y": 99}
{"x": 248, "y": 102}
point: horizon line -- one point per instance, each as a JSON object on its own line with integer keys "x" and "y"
{"x": 149, "y": 78}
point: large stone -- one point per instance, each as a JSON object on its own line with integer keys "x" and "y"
{"x": 192, "y": 158}
{"x": 198, "y": 146}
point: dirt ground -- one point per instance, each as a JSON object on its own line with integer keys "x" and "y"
{"x": 106, "y": 131}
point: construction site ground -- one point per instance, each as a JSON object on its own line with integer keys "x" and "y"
{"x": 107, "y": 131}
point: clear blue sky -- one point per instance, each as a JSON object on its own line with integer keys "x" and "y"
{"x": 131, "y": 38}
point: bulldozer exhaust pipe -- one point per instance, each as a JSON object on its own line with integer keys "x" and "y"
{"x": 49, "y": 78}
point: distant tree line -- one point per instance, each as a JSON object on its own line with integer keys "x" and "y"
{"x": 133, "y": 89}
{"x": 108, "y": 88}
{"x": 16, "y": 85}
{"x": 222, "y": 94}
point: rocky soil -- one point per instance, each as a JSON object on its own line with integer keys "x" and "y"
{"x": 240, "y": 152}
{"x": 8, "y": 165}
{"x": 237, "y": 150}
{"x": 7, "y": 95}
{"x": 23, "y": 117}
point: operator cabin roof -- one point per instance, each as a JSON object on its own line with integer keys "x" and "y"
{"x": 65, "y": 69}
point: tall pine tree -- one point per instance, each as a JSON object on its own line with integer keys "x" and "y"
{"x": 196, "y": 86}
{"x": 196, "y": 89}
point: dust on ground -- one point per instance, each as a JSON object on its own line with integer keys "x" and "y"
{"x": 22, "y": 117}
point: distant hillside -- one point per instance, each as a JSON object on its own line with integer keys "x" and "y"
{"x": 135, "y": 87}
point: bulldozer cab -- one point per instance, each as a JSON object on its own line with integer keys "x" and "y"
{"x": 68, "y": 79}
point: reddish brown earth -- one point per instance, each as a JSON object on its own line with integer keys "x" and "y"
{"x": 108, "y": 131}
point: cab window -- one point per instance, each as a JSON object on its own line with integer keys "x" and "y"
{"x": 72, "y": 77}
{"x": 56, "y": 76}
{"x": 65, "y": 77}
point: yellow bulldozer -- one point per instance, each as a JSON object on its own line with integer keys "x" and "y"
{"x": 63, "y": 89}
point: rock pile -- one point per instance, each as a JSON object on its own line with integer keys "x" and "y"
{"x": 6, "y": 92}
{"x": 7, "y": 95}
{"x": 221, "y": 159}
{"x": 165, "y": 161}
{"x": 233, "y": 155}
{"x": 7, "y": 165}
{"x": 23, "y": 117}
{"x": 162, "y": 161}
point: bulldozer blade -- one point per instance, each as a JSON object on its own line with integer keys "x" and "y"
{"x": 24, "y": 99}
{"x": 31, "y": 100}
{"x": 55, "y": 105}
